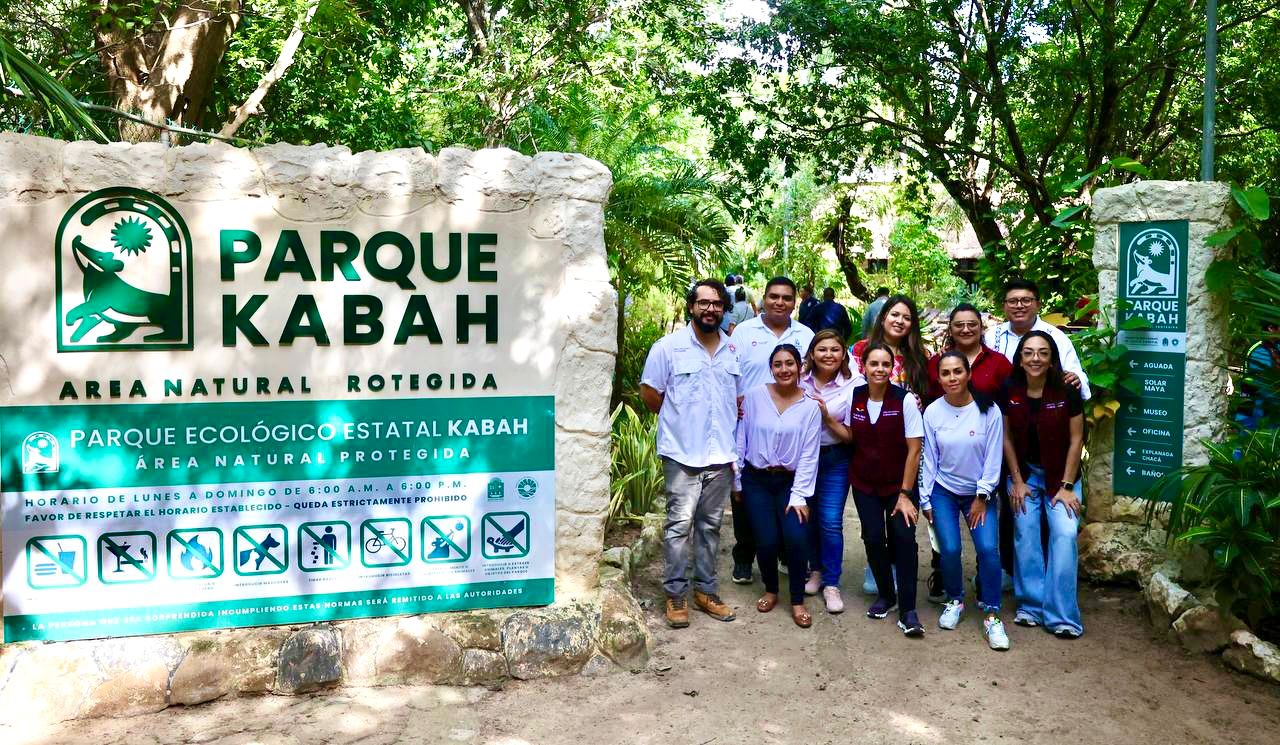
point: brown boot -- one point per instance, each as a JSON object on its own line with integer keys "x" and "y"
{"x": 713, "y": 606}
{"x": 677, "y": 612}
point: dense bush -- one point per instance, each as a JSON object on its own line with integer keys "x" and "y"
{"x": 635, "y": 472}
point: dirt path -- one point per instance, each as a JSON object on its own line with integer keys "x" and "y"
{"x": 760, "y": 679}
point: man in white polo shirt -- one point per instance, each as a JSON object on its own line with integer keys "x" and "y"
{"x": 1022, "y": 308}
{"x": 692, "y": 381}
{"x": 756, "y": 338}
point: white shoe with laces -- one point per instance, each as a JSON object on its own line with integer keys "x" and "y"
{"x": 951, "y": 614}
{"x": 831, "y": 595}
{"x": 996, "y": 637}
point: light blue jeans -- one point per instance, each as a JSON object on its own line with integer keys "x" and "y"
{"x": 1046, "y": 585}
{"x": 948, "y": 510}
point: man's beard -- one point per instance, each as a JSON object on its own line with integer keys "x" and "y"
{"x": 705, "y": 327}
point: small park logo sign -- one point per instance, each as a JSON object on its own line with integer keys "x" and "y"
{"x": 123, "y": 263}
{"x": 1153, "y": 264}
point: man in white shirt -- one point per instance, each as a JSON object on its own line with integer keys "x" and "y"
{"x": 1022, "y": 308}
{"x": 692, "y": 381}
{"x": 756, "y": 338}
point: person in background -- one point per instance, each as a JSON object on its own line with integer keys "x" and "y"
{"x": 1022, "y": 308}
{"x": 778, "y": 446}
{"x": 826, "y": 378}
{"x": 829, "y": 314}
{"x": 988, "y": 372}
{"x": 755, "y": 339}
{"x": 872, "y": 313}
{"x": 807, "y": 305}
{"x": 885, "y": 427}
{"x": 1259, "y": 398}
{"x": 1043, "y": 439}
{"x": 963, "y": 445}
{"x": 897, "y": 328}
{"x": 691, "y": 380}
{"x": 741, "y": 310}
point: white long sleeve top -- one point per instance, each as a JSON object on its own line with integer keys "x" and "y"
{"x": 789, "y": 440}
{"x": 963, "y": 449}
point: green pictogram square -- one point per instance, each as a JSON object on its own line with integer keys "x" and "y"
{"x": 258, "y": 550}
{"x": 446, "y": 539}
{"x": 504, "y": 535}
{"x": 200, "y": 553}
{"x": 51, "y": 566}
{"x": 385, "y": 542}
{"x": 326, "y": 554}
{"x": 127, "y": 557}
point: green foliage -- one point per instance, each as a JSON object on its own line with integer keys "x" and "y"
{"x": 1231, "y": 507}
{"x": 635, "y": 471}
{"x": 649, "y": 313}
{"x": 1103, "y": 358}
{"x": 919, "y": 265}
{"x": 44, "y": 96}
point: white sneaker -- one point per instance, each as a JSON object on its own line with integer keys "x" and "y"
{"x": 831, "y": 595}
{"x": 995, "y": 634}
{"x": 814, "y": 584}
{"x": 951, "y": 613}
{"x": 782, "y": 569}
{"x": 1023, "y": 618}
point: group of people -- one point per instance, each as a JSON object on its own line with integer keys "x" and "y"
{"x": 787, "y": 422}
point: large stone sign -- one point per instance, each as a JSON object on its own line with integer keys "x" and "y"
{"x": 296, "y": 384}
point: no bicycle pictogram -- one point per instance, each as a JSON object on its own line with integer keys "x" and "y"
{"x": 384, "y": 542}
{"x": 260, "y": 549}
{"x": 504, "y": 535}
{"x": 127, "y": 557}
{"x": 324, "y": 546}
{"x": 57, "y": 561}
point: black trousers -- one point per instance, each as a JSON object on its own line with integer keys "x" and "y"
{"x": 890, "y": 544}
{"x": 744, "y": 546}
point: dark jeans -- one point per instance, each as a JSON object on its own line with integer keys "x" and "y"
{"x": 890, "y": 544}
{"x": 765, "y": 495}
{"x": 744, "y": 541}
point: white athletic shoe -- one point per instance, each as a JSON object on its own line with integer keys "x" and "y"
{"x": 814, "y": 584}
{"x": 951, "y": 613}
{"x": 831, "y": 595}
{"x": 1023, "y": 618}
{"x": 995, "y": 634}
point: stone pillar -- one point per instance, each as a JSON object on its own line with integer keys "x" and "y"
{"x": 1207, "y": 208}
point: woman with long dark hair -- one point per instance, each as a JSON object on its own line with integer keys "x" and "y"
{"x": 885, "y": 427}
{"x": 963, "y": 445}
{"x": 1043, "y": 438}
{"x": 778, "y": 448}
{"x": 829, "y": 381}
{"x": 898, "y": 328}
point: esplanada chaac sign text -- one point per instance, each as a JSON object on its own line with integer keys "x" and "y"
{"x": 220, "y": 417}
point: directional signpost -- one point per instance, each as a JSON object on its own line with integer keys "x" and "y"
{"x": 1152, "y": 286}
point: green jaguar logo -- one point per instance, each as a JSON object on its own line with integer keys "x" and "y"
{"x": 123, "y": 259}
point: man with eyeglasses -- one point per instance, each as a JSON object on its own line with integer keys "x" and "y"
{"x": 1022, "y": 309}
{"x": 756, "y": 338}
{"x": 692, "y": 381}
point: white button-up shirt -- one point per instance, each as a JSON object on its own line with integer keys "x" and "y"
{"x": 699, "y": 414}
{"x": 1005, "y": 340}
{"x": 756, "y": 341}
{"x": 836, "y": 394}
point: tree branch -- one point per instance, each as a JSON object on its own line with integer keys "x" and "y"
{"x": 253, "y": 103}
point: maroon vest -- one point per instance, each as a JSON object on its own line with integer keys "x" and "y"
{"x": 1053, "y": 430}
{"x": 879, "y": 449}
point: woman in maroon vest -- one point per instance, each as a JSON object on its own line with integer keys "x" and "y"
{"x": 885, "y": 426}
{"x": 1043, "y": 437}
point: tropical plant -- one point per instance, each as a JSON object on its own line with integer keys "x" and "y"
{"x": 920, "y": 266}
{"x": 1230, "y": 506}
{"x": 1103, "y": 358}
{"x": 46, "y": 97}
{"x": 635, "y": 471}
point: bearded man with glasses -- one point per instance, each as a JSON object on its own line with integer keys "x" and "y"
{"x": 692, "y": 381}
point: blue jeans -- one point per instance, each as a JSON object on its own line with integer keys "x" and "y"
{"x": 765, "y": 494}
{"x": 948, "y": 510}
{"x": 826, "y": 513}
{"x": 1046, "y": 585}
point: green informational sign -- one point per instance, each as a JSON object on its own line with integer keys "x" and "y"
{"x": 1152, "y": 287}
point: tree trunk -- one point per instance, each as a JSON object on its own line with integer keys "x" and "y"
{"x": 615, "y": 398}
{"x": 838, "y": 237}
{"x": 165, "y": 75}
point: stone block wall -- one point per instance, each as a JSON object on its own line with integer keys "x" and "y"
{"x": 1115, "y": 545}
{"x": 561, "y": 198}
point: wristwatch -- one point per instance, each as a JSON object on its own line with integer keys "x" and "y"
{"x": 1069, "y": 486}
{"x": 905, "y": 492}
{"x": 984, "y": 497}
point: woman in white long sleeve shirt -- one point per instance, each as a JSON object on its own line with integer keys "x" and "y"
{"x": 963, "y": 448}
{"x": 778, "y": 444}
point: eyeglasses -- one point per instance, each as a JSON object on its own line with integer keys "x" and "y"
{"x": 965, "y": 325}
{"x": 1037, "y": 354}
{"x": 1019, "y": 301}
{"x": 708, "y": 305}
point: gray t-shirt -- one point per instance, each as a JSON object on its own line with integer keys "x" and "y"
{"x": 870, "y": 316}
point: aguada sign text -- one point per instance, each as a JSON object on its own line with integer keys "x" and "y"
{"x": 220, "y": 416}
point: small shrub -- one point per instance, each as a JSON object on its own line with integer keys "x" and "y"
{"x": 635, "y": 471}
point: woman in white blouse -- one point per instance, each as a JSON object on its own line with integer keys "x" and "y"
{"x": 778, "y": 442}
